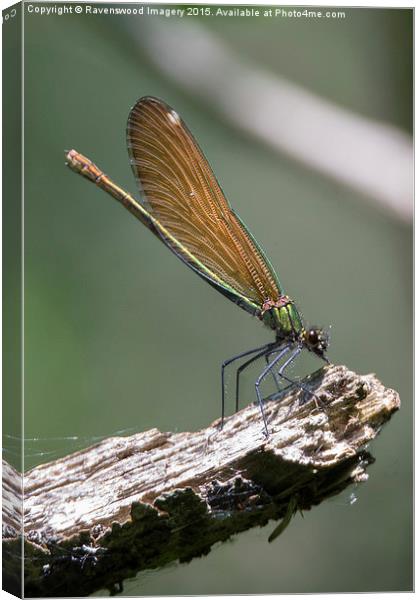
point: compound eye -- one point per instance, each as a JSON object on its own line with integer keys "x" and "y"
{"x": 312, "y": 336}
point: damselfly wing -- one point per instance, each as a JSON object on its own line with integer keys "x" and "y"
{"x": 180, "y": 190}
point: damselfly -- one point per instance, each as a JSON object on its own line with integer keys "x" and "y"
{"x": 183, "y": 205}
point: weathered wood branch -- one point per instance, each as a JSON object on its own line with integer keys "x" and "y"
{"x": 100, "y": 515}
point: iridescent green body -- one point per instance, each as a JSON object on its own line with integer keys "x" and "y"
{"x": 285, "y": 320}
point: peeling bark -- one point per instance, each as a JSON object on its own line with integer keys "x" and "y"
{"x": 102, "y": 514}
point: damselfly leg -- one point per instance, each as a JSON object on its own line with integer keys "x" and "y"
{"x": 274, "y": 374}
{"x": 247, "y": 364}
{"x": 261, "y": 377}
{"x": 288, "y": 362}
{"x": 229, "y": 361}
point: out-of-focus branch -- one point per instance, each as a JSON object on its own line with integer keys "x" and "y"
{"x": 373, "y": 158}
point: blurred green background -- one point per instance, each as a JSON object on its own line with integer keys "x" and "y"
{"x": 119, "y": 334}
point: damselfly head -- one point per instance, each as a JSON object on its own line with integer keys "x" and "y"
{"x": 316, "y": 340}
